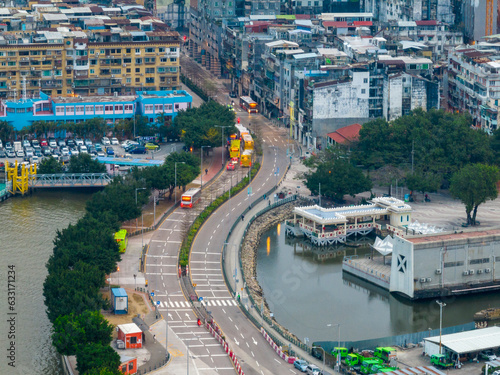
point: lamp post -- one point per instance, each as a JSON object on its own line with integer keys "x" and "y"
{"x": 135, "y": 282}
{"x": 201, "y": 178}
{"x": 324, "y": 355}
{"x": 222, "y": 140}
{"x": 338, "y": 344}
{"x": 441, "y": 305}
{"x": 175, "y": 183}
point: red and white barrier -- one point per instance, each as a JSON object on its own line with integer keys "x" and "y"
{"x": 276, "y": 348}
{"x": 225, "y": 345}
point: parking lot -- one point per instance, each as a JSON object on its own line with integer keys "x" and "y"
{"x": 35, "y": 150}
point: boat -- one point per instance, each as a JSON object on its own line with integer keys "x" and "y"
{"x": 487, "y": 314}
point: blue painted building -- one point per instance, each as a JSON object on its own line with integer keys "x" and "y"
{"x": 119, "y": 300}
{"x": 151, "y": 104}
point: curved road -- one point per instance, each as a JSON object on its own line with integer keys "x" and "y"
{"x": 254, "y": 353}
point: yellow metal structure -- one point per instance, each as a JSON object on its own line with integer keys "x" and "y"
{"x": 20, "y": 175}
{"x": 489, "y": 17}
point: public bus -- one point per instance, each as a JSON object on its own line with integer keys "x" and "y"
{"x": 122, "y": 240}
{"x": 248, "y": 142}
{"x": 246, "y": 158}
{"x": 234, "y": 150}
{"x": 249, "y": 105}
{"x": 241, "y": 131}
{"x": 190, "y": 197}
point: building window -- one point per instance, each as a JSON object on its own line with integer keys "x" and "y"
{"x": 129, "y": 80}
{"x": 92, "y": 71}
{"x": 79, "y": 108}
{"x": 131, "y": 365}
{"x": 363, "y": 91}
{"x": 116, "y": 71}
{"x": 173, "y": 59}
{"x": 150, "y": 80}
{"x": 137, "y": 51}
{"x": 176, "y": 106}
{"x": 168, "y": 107}
{"x": 150, "y": 70}
{"x": 158, "y": 108}
{"x": 70, "y": 109}
{"x": 89, "y": 109}
{"x": 119, "y": 108}
{"x": 108, "y": 108}
{"x": 98, "y": 108}
{"x": 59, "y": 111}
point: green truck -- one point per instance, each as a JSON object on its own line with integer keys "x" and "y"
{"x": 342, "y": 351}
{"x": 354, "y": 359}
{"x": 385, "y": 353}
{"x": 368, "y": 364}
{"x": 441, "y": 360}
{"x": 381, "y": 368}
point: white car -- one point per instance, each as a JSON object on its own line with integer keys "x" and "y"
{"x": 83, "y": 150}
{"x": 114, "y": 141}
{"x": 101, "y": 154}
{"x": 52, "y": 143}
{"x": 105, "y": 141}
{"x": 79, "y": 142}
{"x": 26, "y": 143}
{"x": 312, "y": 370}
{"x": 20, "y": 154}
{"x": 75, "y": 153}
{"x": 64, "y": 151}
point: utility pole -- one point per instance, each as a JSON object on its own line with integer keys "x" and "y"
{"x": 201, "y": 176}
{"x": 222, "y": 140}
{"x": 441, "y": 305}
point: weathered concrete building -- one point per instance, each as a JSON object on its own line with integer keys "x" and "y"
{"x": 446, "y": 264}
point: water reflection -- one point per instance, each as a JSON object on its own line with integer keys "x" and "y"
{"x": 306, "y": 290}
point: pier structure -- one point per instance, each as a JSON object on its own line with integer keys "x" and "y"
{"x": 328, "y": 226}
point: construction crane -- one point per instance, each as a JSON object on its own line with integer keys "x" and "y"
{"x": 489, "y": 17}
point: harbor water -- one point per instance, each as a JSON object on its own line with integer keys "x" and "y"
{"x": 27, "y": 230}
{"x": 309, "y": 294}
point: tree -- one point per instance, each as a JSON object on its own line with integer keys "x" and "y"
{"x": 197, "y": 128}
{"x": 95, "y": 356}
{"x": 423, "y": 182}
{"x": 103, "y": 371}
{"x": 337, "y": 178}
{"x": 72, "y": 331}
{"x": 73, "y": 290}
{"x": 83, "y": 163}
{"x": 6, "y": 130}
{"x": 49, "y": 166}
{"x": 474, "y": 184}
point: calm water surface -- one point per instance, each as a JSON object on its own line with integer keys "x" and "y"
{"x": 306, "y": 290}
{"x": 27, "y": 229}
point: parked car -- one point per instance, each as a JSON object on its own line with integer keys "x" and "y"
{"x": 312, "y": 370}
{"x": 151, "y": 146}
{"x": 1, "y": 144}
{"x": 65, "y": 151}
{"x": 20, "y": 153}
{"x": 105, "y": 141}
{"x": 61, "y": 143}
{"x": 125, "y": 142}
{"x": 98, "y": 147}
{"x": 34, "y": 159}
{"x": 79, "y": 142}
{"x": 101, "y": 154}
{"x": 53, "y": 143}
{"x": 34, "y": 143}
{"x": 8, "y": 146}
{"x": 114, "y": 141}
{"x": 26, "y": 143}
{"x": 56, "y": 152}
{"x": 110, "y": 151}
{"x": 2, "y": 154}
{"x": 43, "y": 142}
{"x": 46, "y": 151}
{"x": 130, "y": 146}
{"x": 74, "y": 152}
{"x": 230, "y": 167}
{"x": 70, "y": 142}
{"x": 487, "y": 355}
{"x": 300, "y": 364}
{"x": 138, "y": 150}
{"x": 87, "y": 142}
{"x": 83, "y": 149}
{"x": 10, "y": 153}
{"x": 38, "y": 153}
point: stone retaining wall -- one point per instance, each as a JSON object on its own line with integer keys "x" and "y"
{"x": 251, "y": 243}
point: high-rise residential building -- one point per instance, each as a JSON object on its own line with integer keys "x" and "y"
{"x": 75, "y": 63}
{"x": 479, "y": 18}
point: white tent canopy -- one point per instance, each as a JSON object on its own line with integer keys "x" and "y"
{"x": 470, "y": 341}
{"x": 384, "y": 246}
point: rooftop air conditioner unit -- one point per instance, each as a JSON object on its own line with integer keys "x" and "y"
{"x": 479, "y": 272}
{"x": 487, "y": 270}
{"x": 471, "y": 272}
{"x": 438, "y": 272}
{"x": 423, "y": 279}
{"x": 465, "y": 273}
{"x": 429, "y": 280}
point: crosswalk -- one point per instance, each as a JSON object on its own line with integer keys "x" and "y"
{"x": 209, "y": 303}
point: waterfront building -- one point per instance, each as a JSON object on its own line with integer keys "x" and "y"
{"x": 327, "y": 226}
{"x": 24, "y": 112}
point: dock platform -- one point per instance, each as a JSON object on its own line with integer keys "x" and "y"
{"x": 371, "y": 269}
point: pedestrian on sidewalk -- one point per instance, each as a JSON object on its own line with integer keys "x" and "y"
{"x": 206, "y": 171}
{"x": 154, "y": 338}
{"x": 242, "y": 217}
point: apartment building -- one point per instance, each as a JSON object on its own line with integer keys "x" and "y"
{"x": 473, "y": 85}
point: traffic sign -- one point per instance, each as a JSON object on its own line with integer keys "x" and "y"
{"x": 200, "y": 299}
{"x": 152, "y": 294}
{"x": 158, "y": 303}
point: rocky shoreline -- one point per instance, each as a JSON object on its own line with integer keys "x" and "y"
{"x": 249, "y": 252}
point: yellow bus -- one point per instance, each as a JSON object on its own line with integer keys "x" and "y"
{"x": 246, "y": 158}
{"x": 234, "y": 150}
{"x": 122, "y": 240}
{"x": 247, "y": 138}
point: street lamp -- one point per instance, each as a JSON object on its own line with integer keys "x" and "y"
{"x": 222, "y": 140}
{"x": 441, "y": 305}
{"x": 175, "y": 184}
{"x": 143, "y": 188}
{"x": 201, "y": 178}
{"x": 338, "y": 345}
{"x": 324, "y": 355}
